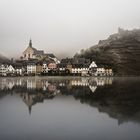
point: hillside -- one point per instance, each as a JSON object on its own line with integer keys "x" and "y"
{"x": 121, "y": 51}
{"x": 3, "y": 59}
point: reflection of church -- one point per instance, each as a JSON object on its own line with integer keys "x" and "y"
{"x": 38, "y": 90}
{"x": 29, "y": 101}
{"x": 116, "y": 100}
{"x": 34, "y": 98}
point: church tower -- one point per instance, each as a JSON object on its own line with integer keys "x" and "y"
{"x": 30, "y": 43}
{"x": 30, "y": 52}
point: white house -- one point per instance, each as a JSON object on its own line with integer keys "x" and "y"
{"x": 100, "y": 72}
{"x": 104, "y": 72}
{"x": 84, "y": 71}
{"x": 31, "y": 68}
{"x": 45, "y": 68}
{"x": 93, "y": 65}
{"x": 10, "y": 70}
{"x": 93, "y": 68}
{"x": 108, "y": 72}
{"x": 80, "y": 70}
{"x": 3, "y": 70}
{"x": 19, "y": 70}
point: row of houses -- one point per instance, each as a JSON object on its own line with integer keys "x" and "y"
{"x": 9, "y": 70}
{"x": 73, "y": 66}
{"x": 83, "y": 67}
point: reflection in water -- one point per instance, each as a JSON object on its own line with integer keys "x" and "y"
{"x": 73, "y": 107}
{"x": 119, "y": 98}
{"x": 35, "y": 90}
{"x": 114, "y": 97}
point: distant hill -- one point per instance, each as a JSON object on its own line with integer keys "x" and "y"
{"x": 121, "y": 51}
{"x": 3, "y": 59}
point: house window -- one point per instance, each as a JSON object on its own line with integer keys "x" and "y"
{"x": 29, "y": 55}
{"x": 24, "y": 55}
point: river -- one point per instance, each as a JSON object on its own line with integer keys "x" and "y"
{"x": 70, "y": 108}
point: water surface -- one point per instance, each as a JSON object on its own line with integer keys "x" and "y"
{"x": 68, "y": 108}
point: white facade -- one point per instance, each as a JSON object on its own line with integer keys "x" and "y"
{"x": 93, "y": 68}
{"x": 31, "y": 84}
{"x": 93, "y": 65}
{"x": 62, "y": 69}
{"x": 100, "y": 72}
{"x": 31, "y": 69}
{"x": 80, "y": 70}
{"x": 10, "y": 70}
{"x": 104, "y": 72}
{"x": 109, "y": 72}
{"x": 45, "y": 68}
{"x": 19, "y": 71}
{"x": 3, "y": 70}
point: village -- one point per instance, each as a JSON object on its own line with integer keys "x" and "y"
{"x": 35, "y": 62}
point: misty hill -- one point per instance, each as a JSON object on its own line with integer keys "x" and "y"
{"x": 121, "y": 51}
{"x": 3, "y": 59}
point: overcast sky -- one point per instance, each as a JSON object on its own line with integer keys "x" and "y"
{"x": 62, "y": 27}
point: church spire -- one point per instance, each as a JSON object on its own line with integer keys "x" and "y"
{"x": 30, "y": 43}
{"x": 30, "y": 109}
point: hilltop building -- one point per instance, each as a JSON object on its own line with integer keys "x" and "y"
{"x": 32, "y": 53}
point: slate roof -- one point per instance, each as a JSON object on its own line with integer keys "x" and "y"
{"x": 50, "y": 55}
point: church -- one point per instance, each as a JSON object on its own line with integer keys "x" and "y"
{"x": 32, "y": 53}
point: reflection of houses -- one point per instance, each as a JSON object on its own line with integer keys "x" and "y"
{"x": 31, "y": 84}
{"x": 8, "y": 83}
{"x": 3, "y": 83}
{"x": 80, "y": 82}
{"x": 92, "y": 88}
{"x": 121, "y": 105}
{"x": 52, "y": 86}
{"x": 36, "y": 90}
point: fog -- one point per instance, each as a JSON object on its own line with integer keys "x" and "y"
{"x": 62, "y": 27}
